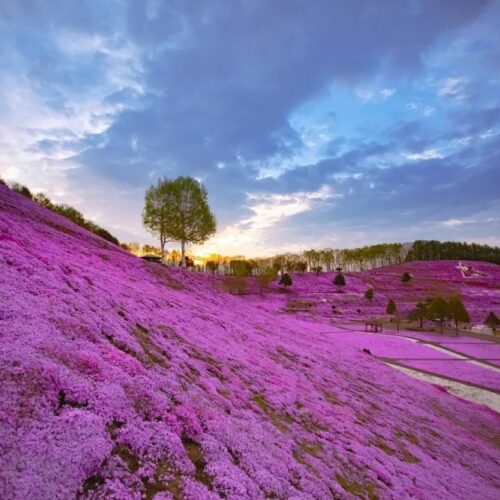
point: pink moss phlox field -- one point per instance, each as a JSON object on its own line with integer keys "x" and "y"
{"x": 124, "y": 379}
{"x": 417, "y": 350}
{"x": 480, "y": 294}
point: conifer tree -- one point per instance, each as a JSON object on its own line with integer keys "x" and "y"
{"x": 456, "y": 311}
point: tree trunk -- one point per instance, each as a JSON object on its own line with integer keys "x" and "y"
{"x": 162, "y": 246}
{"x": 183, "y": 253}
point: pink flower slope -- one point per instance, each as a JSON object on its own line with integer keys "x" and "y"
{"x": 124, "y": 379}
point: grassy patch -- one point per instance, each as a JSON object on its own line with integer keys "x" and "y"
{"x": 309, "y": 423}
{"x": 223, "y": 392}
{"x": 153, "y": 356}
{"x": 331, "y": 398}
{"x": 128, "y": 456}
{"x": 172, "y": 486}
{"x": 92, "y": 483}
{"x": 61, "y": 228}
{"x": 365, "y": 490}
{"x": 299, "y": 305}
{"x": 313, "y": 448}
{"x": 195, "y": 454}
{"x": 278, "y": 420}
{"x": 401, "y": 452}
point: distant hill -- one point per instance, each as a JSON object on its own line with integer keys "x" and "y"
{"x": 125, "y": 379}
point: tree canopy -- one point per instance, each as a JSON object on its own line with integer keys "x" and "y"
{"x": 437, "y": 311}
{"x": 177, "y": 210}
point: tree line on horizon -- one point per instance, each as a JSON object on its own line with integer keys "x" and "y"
{"x": 177, "y": 210}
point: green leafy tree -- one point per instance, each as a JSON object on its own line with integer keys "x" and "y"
{"x": 339, "y": 281}
{"x": 437, "y": 311}
{"x": 212, "y": 266}
{"x": 301, "y": 266}
{"x": 457, "y": 312}
{"x": 369, "y": 294}
{"x": 406, "y": 278}
{"x": 391, "y": 308}
{"x": 177, "y": 210}
{"x": 151, "y": 250}
{"x": 266, "y": 277}
{"x": 492, "y": 321}
{"x": 240, "y": 267}
{"x": 42, "y": 199}
{"x": 418, "y": 313}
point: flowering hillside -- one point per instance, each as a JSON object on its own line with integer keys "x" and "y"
{"x": 480, "y": 294}
{"x": 124, "y": 379}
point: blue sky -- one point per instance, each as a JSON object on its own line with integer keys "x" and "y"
{"x": 312, "y": 123}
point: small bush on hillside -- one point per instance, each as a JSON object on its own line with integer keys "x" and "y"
{"x": 317, "y": 269}
{"x": 492, "y": 321}
{"x": 369, "y": 294}
{"x": 339, "y": 281}
{"x": 285, "y": 280}
{"x": 391, "y": 308}
{"x": 19, "y": 188}
{"x": 406, "y": 278}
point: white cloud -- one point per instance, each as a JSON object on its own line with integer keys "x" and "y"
{"x": 386, "y": 93}
{"x": 44, "y": 125}
{"x": 453, "y": 87}
{"x": 457, "y": 222}
{"x": 428, "y": 154}
{"x": 365, "y": 95}
{"x": 428, "y": 110}
{"x": 489, "y": 133}
{"x": 246, "y": 236}
{"x": 463, "y": 141}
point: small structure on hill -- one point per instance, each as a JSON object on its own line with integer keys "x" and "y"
{"x": 151, "y": 258}
{"x": 373, "y": 326}
{"x": 469, "y": 271}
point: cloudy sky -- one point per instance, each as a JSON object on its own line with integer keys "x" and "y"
{"x": 312, "y": 123}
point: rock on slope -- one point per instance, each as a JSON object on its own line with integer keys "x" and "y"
{"x": 124, "y": 379}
